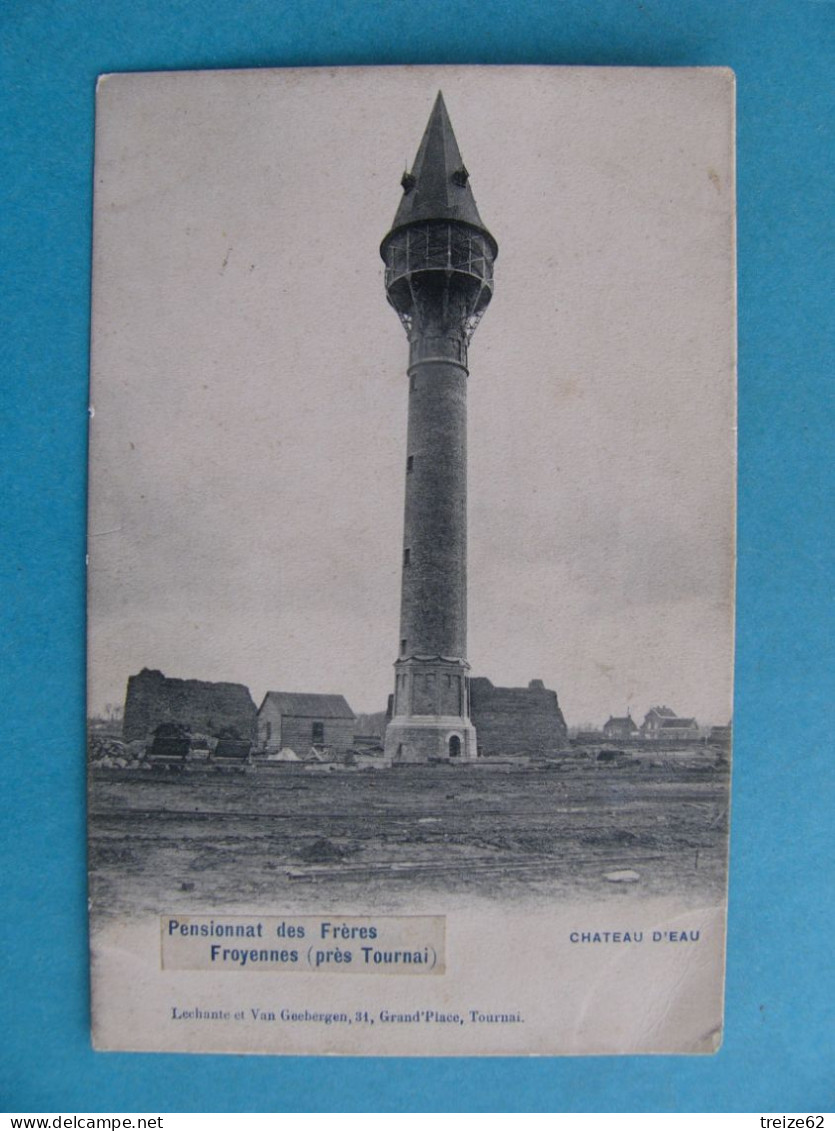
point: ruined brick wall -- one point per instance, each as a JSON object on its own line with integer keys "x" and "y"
{"x": 205, "y": 708}
{"x": 516, "y": 720}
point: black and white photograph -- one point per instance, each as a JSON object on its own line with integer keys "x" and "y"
{"x": 411, "y": 560}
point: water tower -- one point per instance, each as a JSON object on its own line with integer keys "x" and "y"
{"x": 439, "y": 278}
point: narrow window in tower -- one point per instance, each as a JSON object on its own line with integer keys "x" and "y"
{"x": 318, "y": 733}
{"x": 410, "y": 463}
{"x": 412, "y": 383}
{"x": 402, "y": 647}
{"x": 407, "y": 556}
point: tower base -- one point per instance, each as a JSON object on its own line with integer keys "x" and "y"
{"x": 430, "y": 738}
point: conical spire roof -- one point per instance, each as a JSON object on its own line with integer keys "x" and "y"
{"x": 438, "y": 186}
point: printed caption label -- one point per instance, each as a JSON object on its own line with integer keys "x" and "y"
{"x": 324, "y": 944}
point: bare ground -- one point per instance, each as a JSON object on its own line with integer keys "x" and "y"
{"x": 284, "y": 838}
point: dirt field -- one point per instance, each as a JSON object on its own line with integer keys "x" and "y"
{"x": 288, "y": 837}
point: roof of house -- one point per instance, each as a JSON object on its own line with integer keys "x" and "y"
{"x": 307, "y": 705}
{"x": 627, "y": 721}
{"x": 662, "y": 712}
{"x": 672, "y": 724}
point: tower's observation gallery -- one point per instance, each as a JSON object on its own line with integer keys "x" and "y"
{"x": 439, "y": 279}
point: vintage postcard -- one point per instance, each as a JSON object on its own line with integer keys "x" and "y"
{"x": 411, "y": 560}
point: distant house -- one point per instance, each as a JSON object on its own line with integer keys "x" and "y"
{"x": 679, "y": 728}
{"x": 651, "y": 726}
{"x": 294, "y": 720}
{"x": 624, "y": 727}
{"x": 662, "y": 724}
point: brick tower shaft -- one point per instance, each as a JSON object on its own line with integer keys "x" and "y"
{"x": 433, "y": 611}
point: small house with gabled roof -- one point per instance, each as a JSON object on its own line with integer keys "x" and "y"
{"x": 623, "y": 727}
{"x": 297, "y": 720}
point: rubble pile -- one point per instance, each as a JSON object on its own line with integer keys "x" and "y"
{"x": 109, "y": 753}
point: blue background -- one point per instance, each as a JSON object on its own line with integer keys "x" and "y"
{"x": 779, "y": 1045}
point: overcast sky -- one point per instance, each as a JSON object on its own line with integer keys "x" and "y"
{"x": 248, "y": 442}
